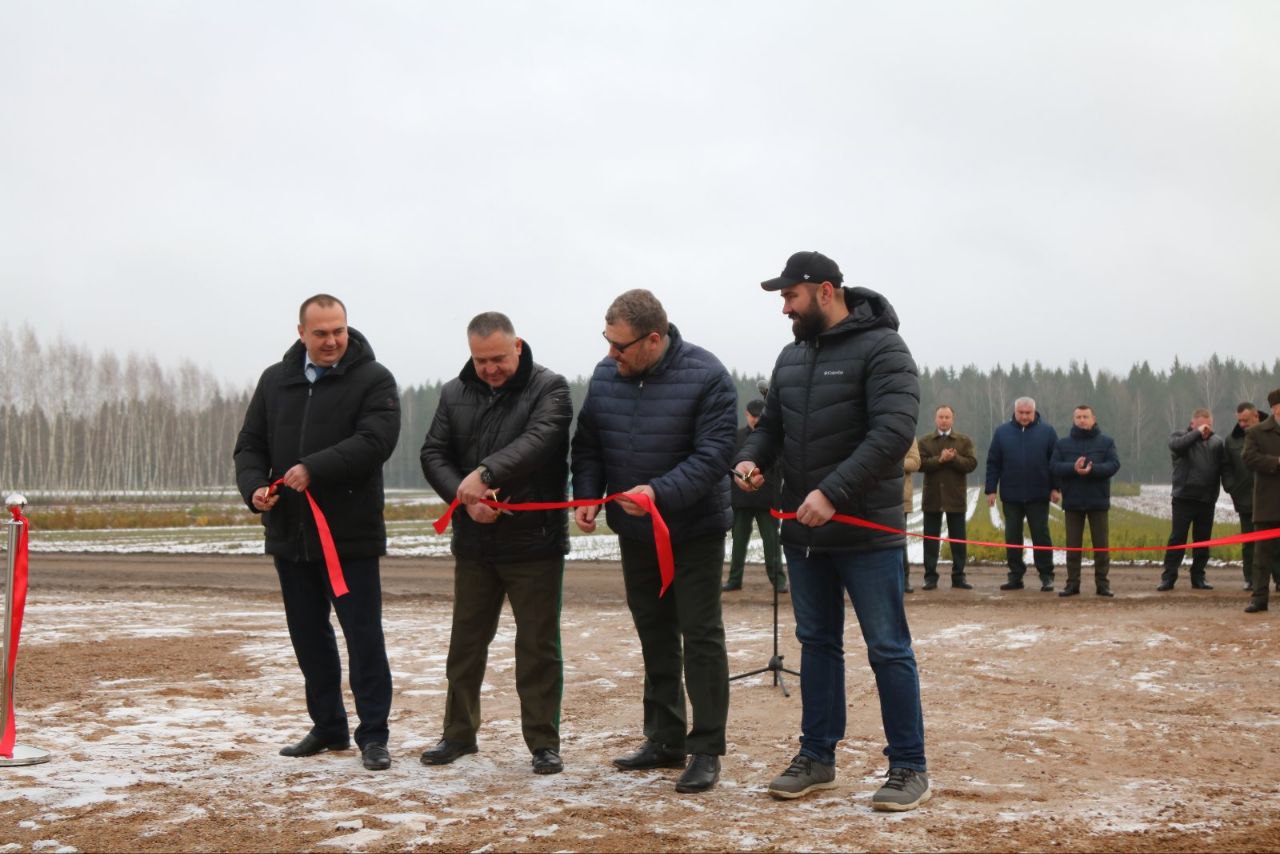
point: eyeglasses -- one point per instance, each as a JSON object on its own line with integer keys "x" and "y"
{"x": 622, "y": 347}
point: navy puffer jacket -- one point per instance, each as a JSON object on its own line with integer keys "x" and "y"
{"x": 1018, "y": 461}
{"x": 1091, "y": 491}
{"x": 672, "y": 429}
{"x": 841, "y": 413}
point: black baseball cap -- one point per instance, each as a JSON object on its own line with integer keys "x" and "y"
{"x": 806, "y": 268}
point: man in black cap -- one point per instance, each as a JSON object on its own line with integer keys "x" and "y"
{"x": 841, "y": 415}
{"x": 752, "y": 508}
{"x": 324, "y": 419}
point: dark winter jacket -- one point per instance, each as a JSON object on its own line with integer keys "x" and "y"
{"x": 672, "y": 429}
{"x": 1199, "y": 465}
{"x": 841, "y": 414}
{"x": 767, "y": 496}
{"x": 944, "y": 483}
{"x": 1262, "y": 456}
{"x": 1018, "y": 461}
{"x": 1091, "y": 491}
{"x": 520, "y": 432}
{"x": 1237, "y": 479}
{"x": 342, "y": 427}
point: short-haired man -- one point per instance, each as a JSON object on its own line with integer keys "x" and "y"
{"x": 841, "y": 413}
{"x": 946, "y": 458}
{"x": 1199, "y": 463}
{"x": 1262, "y": 456}
{"x": 1238, "y": 481}
{"x": 1083, "y": 464}
{"x": 324, "y": 419}
{"x": 659, "y": 420}
{"x": 1018, "y": 468}
{"x": 501, "y": 430}
{"x": 752, "y": 508}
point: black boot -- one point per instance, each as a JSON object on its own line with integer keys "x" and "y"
{"x": 1072, "y": 589}
{"x": 702, "y": 773}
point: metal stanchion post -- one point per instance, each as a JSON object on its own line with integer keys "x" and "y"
{"x": 21, "y": 755}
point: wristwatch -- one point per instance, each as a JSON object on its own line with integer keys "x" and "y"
{"x": 486, "y": 475}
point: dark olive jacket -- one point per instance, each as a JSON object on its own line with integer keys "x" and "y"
{"x": 1237, "y": 479}
{"x": 841, "y": 415}
{"x": 342, "y": 427}
{"x": 520, "y": 432}
{"x": 944, "y": 483}
{"x": 1262, "y": 456}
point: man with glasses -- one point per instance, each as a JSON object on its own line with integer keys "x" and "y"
{"x": 841, "y": 414}
{"x": 659, "y": 420}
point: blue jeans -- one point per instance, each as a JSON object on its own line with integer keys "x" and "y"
{"x": 874, "y": 584}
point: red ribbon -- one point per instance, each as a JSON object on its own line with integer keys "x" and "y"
{"x": 18, "y": 602}
{"x": 661, "y": 536}
{"x": 1251, "y": 537}
{"x": 331, "y": 562}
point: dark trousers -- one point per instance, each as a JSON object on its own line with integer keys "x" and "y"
{"x": 932, "y": 548}
{"x": 743, "y": 519}
{"x": 1198, "y": 516}
{"x": 1248, "y": 526}
{"x": 1266, "y": 565}
{"x": 304, "y": 586}
{"x": 1099, "y": 533}
{"x": 533, "y": 588}
{"x": 681, "y": 633}
{"x": 1036, "y": 515}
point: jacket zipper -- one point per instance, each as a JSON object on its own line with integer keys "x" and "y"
{"x": 302, "y": 435}
{"x": 804, "y": 430}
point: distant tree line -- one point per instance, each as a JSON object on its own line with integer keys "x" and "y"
{"x": 74, "y": 420}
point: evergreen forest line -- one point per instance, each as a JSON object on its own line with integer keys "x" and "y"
{"x": 71, "y": 419}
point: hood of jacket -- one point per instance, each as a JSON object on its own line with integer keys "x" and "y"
{"x": 867, "y": 310}
{"x": 517, "y": 380}
{"x": 1079, "y": 433}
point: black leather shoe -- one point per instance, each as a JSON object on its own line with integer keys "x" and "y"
{"x": 446, "y": 751}
{"x": 1201, "y": 585}
{"x": 702, "y": 773}
{"x": 311, "y": 745}
{"x": 547, "y": 761}
{"x": 650, "y": 755}
{"x": 960, "y": 584}
{"x": 1106, "y": 591}
{"x": 1255, "y": 607}
{"x": 1046, "y": 587}
{"x": 1012, "y": 585}
{"x": 728, "y": 587}
{"x": 1164, "y": 586}
{"x": 929, "y": 585}
{"x": 374, "y": 756}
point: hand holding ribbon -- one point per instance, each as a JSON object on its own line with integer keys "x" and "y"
{"x": 331, "y": 562}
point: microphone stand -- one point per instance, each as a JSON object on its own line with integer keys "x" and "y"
{"x": 775, "y": 661}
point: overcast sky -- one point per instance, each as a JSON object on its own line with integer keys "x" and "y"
{"x": 1095, "y": 181}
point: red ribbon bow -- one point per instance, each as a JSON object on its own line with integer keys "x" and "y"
{"x": 331, "y": 562}
{"x": 661, "y": 536}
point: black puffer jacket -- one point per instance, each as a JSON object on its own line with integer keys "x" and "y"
{"x": 342, "y": 428}
{"x": 842, "y": 412}
{"x": 1091, "y": 491}
{"x": 672, "y": 429}
{"x": 520, "y": 432}
{"x": 1199, "y": 465}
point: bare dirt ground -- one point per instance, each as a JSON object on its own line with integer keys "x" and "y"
{"x": 164, "y": 686}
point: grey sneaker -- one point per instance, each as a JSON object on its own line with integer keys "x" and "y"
{"x": 904, "y": 789}
{"x": 802, "y": 776}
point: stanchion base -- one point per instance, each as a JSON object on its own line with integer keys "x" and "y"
{"x": 25, "y": 756}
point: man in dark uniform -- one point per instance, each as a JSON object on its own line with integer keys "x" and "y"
{"x": 1238, "y": 482}
{"x": 659, "y": 420}
{"x": 501, "y": 430}
{"x": 324, "y": 419}
{"x": 752, "y": 508}
{"x": 1199, "y": 463}
{"x": 1262, "y": 456}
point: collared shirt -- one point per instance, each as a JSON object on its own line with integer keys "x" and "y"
{"x": 944, "y": 434}
{"x": 313, "y": 371}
